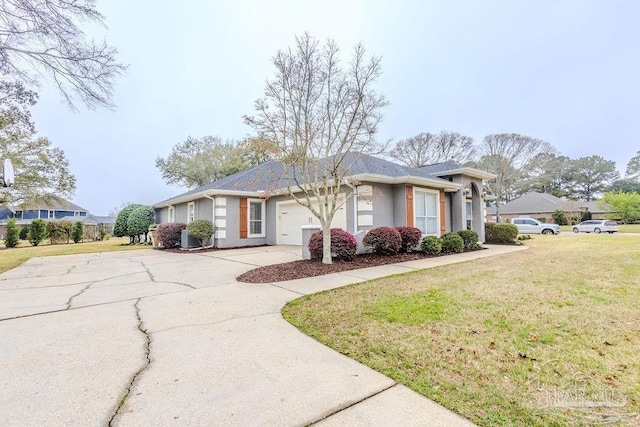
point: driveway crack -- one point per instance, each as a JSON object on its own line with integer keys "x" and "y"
{"x": 147, "y": 354}
{"x": 83, "y": 290}
{"x": 153, "y": 279}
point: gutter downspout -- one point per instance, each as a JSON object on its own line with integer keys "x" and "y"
{"x": 214, "y": 214}
{"x": 355, "y": 205}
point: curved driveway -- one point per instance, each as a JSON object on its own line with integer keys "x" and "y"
{"x": 153, "y": 338}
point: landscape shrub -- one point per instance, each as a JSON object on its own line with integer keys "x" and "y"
{"x": 37, "y": 232}
{"x": 411, "y": 237}
{"x": 120, "y": 228}
{"x": 542, "y": 219}
{"x": 201, "y": 229}
{"x": 586, "y": 216}
{"x": 24, "y": 231}
{"x": 11, "y": 240}
{"x": 59, "y": 231}
{"x": 169, "y": 234}
{"x": 102, "y": 233}
{"x": 470, "y": 239}
{"x": 383, "y": 240}
{"x": 139, "y": 220}
{"x": 488, "y": 231}
{"x": 452, "y": 243}
{"x": 503, "y": 232}
{"x": 431, "y": 245}
{"x": 77, "y": 232}
{"x": 343, "y": 244}
{"x": 559, "y": 217}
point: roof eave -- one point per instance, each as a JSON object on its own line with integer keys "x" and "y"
{"x": 472, "y": 172}
{"x": 408, "y": 179}
{"x": 203, "y": 194}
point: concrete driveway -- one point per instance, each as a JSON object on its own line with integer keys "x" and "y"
{"x": 154, "y": 338}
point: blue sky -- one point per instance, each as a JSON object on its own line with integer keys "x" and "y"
{"x": 563, "y": 71}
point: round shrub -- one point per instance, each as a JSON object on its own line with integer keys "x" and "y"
{"x": 24, "y": 231}
{"x": 470, "y": 239}
{"x": 503, "y": 232}
{"x": 201, "y": 229}
{"x": 343, "y": 244}
{"x": 488, "y": 231}
{"x": 431, "y": 245}
{"x": 139, "y": 220}
{"x": 383, "y": 240}
{"x": 452, "y": 243}
{"x": 169, "y": 234}
{"x": 411, "y": 237}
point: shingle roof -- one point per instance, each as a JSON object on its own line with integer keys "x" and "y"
{"x": 534, "y": 202}
{"x": 54, "y": 205}
{"x": 271, "y": 174}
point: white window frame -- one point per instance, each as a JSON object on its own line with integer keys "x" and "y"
{"x": 171, "y": 214}
{"x": 415, "y": 210}
{"x": 263, "y": 220}
{"x": 469, "y": 214}
{"x": 76, "y": 213}
{"x": 191, "y": 212}
{"x": 51, "y": 215}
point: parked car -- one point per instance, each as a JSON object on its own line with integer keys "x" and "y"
{"x": 533, "y": 226}
{"x": 596, "y": 226}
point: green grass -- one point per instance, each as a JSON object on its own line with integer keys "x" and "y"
{"x": 11, "y": 258}
{"x": 494, "y": 339}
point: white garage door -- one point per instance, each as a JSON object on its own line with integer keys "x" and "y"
{"x": 292, "y": 216}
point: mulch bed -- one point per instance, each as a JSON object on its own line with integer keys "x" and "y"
{"x": 315, "y": 267}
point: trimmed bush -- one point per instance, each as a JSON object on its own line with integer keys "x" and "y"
{"x": 542, "y": 219}
{"x": 169, "y": 234}
{"x": 411, "y": 237}
{"x": 139, "y": 220}
{"x": 11, "y": 240}
{"x": 120, "y": 228}
{"x": 470, "y": 239}
{"x": 37, "y": 232}
{"x": 77, "y": 232}
{"x": 503, "y": 232}
{"x": 343, "y": 244}
{"x": 488, "y": 231}
{"x": 383, "y": 240}
{"x": 59, "y": 231}
{"x": 452, "y": 243}
{"x": 559, "y": 217}
{"x": 431, "y": 245}
{"x": 24, "y": 231}
{"x": 201, "y": 229}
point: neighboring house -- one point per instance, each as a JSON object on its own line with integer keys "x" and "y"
{"x": 61, "y": 210}
{"x": 542, "y": 205}
{"x": 250, "y": 207}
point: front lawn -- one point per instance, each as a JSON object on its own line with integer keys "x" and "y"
{"x": 11, "y": 258}
{"x": 547, "y": 336}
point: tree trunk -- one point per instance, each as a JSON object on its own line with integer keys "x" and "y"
{"x": 326, "y": 243}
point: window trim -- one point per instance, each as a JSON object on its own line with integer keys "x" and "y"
{"x": 263, "y": 209}
{"x": 191, "y": 212}
{"x": 468, "y": 213}
{"x": 171, "y": 214}
{"x": 415, "y": 210}
{"x": 51, "y": 214}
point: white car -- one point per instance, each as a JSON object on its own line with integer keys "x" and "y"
{"x": 533, "y": 226}
{"x": 596, "y": 226}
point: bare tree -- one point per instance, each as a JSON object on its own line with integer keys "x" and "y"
{"x": 318, "y": 119}
{"x": 43, "y": 38}
{"x": 508, "y": 156}
{"x": 426, "y": 148}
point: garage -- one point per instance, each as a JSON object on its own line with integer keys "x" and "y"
{"x": 292, "y": 216}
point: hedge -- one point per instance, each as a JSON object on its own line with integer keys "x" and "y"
{"x": 343, "y": 244}
{"x": 383, "y": 240}
{"x": 452, "y": 243}
{"x": 431, "y": 245}
{"x": 169, "y": 235}
{"x": 411, "y": 237}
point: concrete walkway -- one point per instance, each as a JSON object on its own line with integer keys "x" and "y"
{"x": 152, "y": 338}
